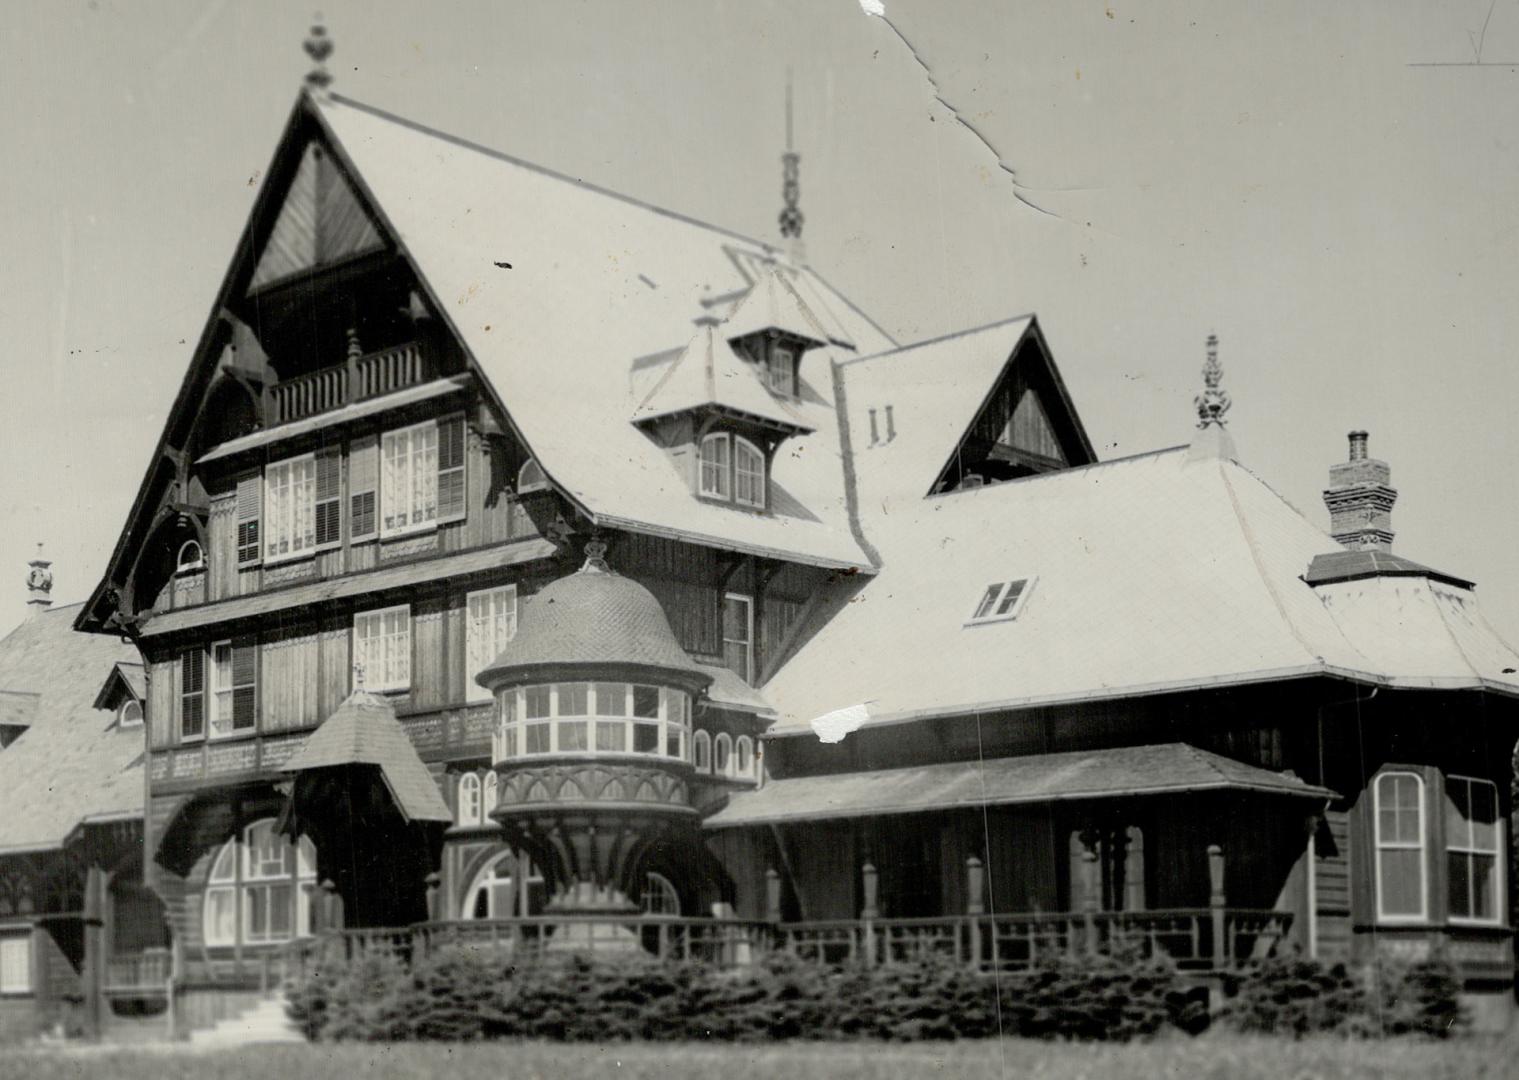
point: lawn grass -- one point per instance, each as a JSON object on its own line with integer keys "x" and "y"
{"x": 1211, "y": 1056}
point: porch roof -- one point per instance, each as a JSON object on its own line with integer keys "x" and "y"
{"x": 1163, "y": 769}
{"x": 364, "y": 731}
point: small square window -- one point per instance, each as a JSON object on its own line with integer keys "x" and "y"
{"x": 1002, "y": 600}
{"x": 611, "y": 736}
{"x": 646, "y": 738}
{"x": 537, "y": 739}
{"x": 646, "y": 701}
{"x": 536, "y": 702}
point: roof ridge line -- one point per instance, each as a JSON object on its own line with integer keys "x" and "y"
{"x": 951, "y": 335}
{"x": 501, "y": 155}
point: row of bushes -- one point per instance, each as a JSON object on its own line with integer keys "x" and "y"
{"x": 459, "y": 994}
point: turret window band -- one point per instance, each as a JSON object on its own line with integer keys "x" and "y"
{"x": 602, "y": 718}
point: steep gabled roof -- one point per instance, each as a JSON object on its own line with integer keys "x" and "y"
{"x": 73, "y": 764}
{"x": 707, "y": 373}
{"x": 1150, "y": 574}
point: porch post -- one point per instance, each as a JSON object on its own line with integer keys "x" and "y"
{"x": 871, "y": 912}
{"x": 772, "y": 896}
{"x": 975, "y": 907}
{"x": 1091, "y": 896}
{"x": 94, "y": 950}
{"x": 1222, "y": 954}
{"x": 434, "y": 897}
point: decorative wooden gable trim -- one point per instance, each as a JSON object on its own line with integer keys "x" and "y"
{"x": 321, "y": 221}
{"x": 1025, "y": 425}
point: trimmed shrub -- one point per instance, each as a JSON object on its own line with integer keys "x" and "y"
{"x": 1292, "y": 995}
{"x": 1420, "y": 998}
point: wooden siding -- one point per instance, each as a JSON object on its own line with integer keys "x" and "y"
{"x": 162, "y": 715}
{"x": 288, "y": 682}
{"x": 1332, "y": 886}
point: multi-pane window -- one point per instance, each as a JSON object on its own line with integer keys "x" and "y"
{"x": 1003, "y": 600}
{"x": 409, "y": 478}
{"x": 738, "y": 635}
{"x": 260, "y": 888}
{"x": 578, "y": 717}
{"x": 716, "y": 463}
{"x": 468, "y": 810}
{"x": 382, "y": 649}
{"x": 234, "y": 697}
{"x": 1472, "y": 847}
{"x": 290, "y": 508}
{"x": 780, "y": 370}
{"x": 1400, "y": 864}
{"x": 16, "y": 962}
{"x": 748, "y": 473}
{"x": 659, "y": 896}
{"x": 492, "y": 621}
{"x": 192, "y": 694}
{"x": 701, "y": 751}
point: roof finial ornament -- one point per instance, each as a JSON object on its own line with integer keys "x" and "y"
{"x": 791, "y": 186}
{"x": 39, "y": 582}
{"x": 596, "y": 558}
{"x": 1212, "y": 403}
{"x": 319, "y": 47}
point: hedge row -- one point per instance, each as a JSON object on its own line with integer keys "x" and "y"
{"x": 463, "y": 995}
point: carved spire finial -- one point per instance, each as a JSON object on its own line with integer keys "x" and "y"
{"x": 791, "y": 218}
{"x": 1213, "y": 402}
{"x": 39, "y": 581}
{"x": 319, "y": 47}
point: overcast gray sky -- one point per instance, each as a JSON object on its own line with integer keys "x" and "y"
{"x": 1280, "y": 174}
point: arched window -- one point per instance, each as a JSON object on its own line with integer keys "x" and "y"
{"x": 492, "y": 796}
{"x": 722, "y": 755}
{"x": 190, "y": 557}
{"x": 531, "y": 477}
{"x": 467, "y": 812}
{"x": 716, "y": 463}
{"x": 659, "y": 896}
{"x": 130, "y": 713}
{"x": 743, "y": 756}
{"x": 499, "y": 892}
{"x": 260, "y": 888}
{"x": 701, "y": 751}
{"x": 748, "y": 473}
{"x": 1400, "y": 864}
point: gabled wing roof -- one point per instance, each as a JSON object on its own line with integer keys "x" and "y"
{"x": 707, "y": 372}
{"x": 1160, "y": 572}
{"x": 595, "y": 281}
{"x": 73, "y": 764}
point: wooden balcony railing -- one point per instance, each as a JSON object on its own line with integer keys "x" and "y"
{"x": 144, "y": 974}
{"x": 333, "y": 387}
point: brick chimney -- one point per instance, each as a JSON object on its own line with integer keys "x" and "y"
{"x": 1360, "y": 497}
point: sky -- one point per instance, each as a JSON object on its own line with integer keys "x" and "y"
{"x": 1332, "y": 189}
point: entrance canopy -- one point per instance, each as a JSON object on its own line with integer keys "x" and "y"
{"x": 1165, "y": 769}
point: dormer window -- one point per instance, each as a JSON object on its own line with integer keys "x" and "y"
{"x": 130, "y": 714}
{"x": 780, "y": 368}
{"x": 732, "y": 470}
{"x": 531, "y": 477}
{"x": 191, "y": 557}
{"x": 1002, "y": 601}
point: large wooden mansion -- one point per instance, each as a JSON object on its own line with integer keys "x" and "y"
{"x": 525, "y": 563}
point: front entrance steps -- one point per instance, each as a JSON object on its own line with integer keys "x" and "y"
{"x": 263, "y": 1024}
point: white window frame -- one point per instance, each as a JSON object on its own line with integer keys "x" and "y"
{"x": 471, "y": 800}
{"x": 490, "y": 796}
{"x": 721, "y": 472}
{"x": 375, "y": 677}
{"x": 781, "y": 369}
{"x": 197, "y": 563}
{"x": 659, "y": 893}
{"x": 214, "y": 691}
{"x": 722, "y": 748}
{"x": 748, "y": 641}
{"x": 1422, "y": 846}
{"x": 1499, "y": 855}
{"x": 286, "y": 512}
{"x": 701, "y": 752}
{"x": 396, "y": 479}
{"x": 742, "y": 445}
{"x": 10, "y": 938}
{"x": 671, "y": 720}
{"x": 475, "y": 649}
{"x": 121, "y": 713}
{"x": 540, "y": 484}
{"x": 231, "y": 881}
{"x": 996, "y": 596}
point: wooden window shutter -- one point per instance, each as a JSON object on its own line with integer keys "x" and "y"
{"x": 192, "y": 691}
{"x": 329, "y": 497}
{"x": 451, "y": 468}
{"x": 244, "y": 686}
{"x": 363, "y": 488}
{"x": 249, "y": 504}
